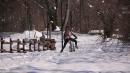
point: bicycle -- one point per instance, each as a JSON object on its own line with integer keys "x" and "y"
{"x": 71, "y": 46}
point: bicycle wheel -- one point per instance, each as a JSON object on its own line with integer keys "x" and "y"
{"x": 71, "y": 47}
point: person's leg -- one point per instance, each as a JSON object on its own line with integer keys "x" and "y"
{"x": 65, "y": 43}
{"x": 74, "y": 41}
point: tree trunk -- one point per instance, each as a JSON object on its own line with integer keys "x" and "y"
{"x": 67, "y": 15}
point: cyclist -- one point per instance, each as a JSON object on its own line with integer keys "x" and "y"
{"x": 68, "y": 37}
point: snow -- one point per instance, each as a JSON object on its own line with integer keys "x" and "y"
{"x": 91, "y": 57}
{"x": 57, "y": 28}
{"x": 103, "y": 1}
{"x": 25, "y": 35}
{"x": 32, "y": 34}
{"x": 90, "y": 5}
{"x": 55, "y": 7}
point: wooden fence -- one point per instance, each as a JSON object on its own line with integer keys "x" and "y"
{"x": 33, "y": 45}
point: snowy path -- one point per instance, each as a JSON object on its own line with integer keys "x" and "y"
{"x": 89, "y": 58}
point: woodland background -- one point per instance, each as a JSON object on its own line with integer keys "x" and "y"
{"x": 112, "y": 16}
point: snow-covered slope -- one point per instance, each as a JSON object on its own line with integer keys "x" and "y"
{"x": 91, "y": 57}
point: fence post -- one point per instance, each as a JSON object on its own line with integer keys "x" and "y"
{"x": 18, "y": 43}
{"x": 30, "y": 46}
{"x": 24, "y": 46}
{"x": 2, "y": 42}
{"x": 34, "y": 45}
{"x": 43, "y": 46}
{"x": 38, "y": 46}
{"x": 11, "y": 42}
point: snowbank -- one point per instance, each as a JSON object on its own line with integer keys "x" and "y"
{"x": 57, "y": 28}
{"x": 32, "y": 34}
{"x": 91, "y": 57}
{"x": 25, "y": 35}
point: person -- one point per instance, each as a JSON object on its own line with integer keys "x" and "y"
{"x": 68, "y": 37}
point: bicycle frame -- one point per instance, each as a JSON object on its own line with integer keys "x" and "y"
{"x": 71, "y": 46}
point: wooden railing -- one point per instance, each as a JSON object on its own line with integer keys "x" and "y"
{"x": 34, "y": 45}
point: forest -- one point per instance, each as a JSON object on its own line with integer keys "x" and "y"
{"x": 64, "y": 36}
{"x": 112, "y": 16}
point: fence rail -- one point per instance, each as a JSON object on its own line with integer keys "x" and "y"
{"x": 33, "y": 45}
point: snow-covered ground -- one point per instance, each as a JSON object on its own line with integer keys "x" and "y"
{"x": 91, "y": 57}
